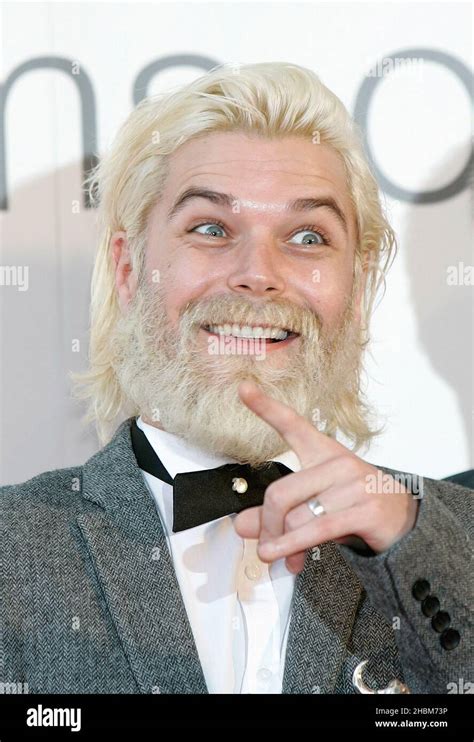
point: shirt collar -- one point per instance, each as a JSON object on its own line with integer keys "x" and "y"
{"x": 178, "y": 455}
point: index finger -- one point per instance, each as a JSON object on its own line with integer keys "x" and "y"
{"x": 310, "y": 445}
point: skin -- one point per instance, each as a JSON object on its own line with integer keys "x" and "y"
{"x": 284, "y": 524}
{"x": 260, "y": 256}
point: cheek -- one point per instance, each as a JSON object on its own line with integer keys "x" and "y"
{"x": 329, "y": 291}
{"x": 182, "y": 282}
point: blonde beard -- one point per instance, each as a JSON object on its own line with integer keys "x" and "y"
{"x": 168, "y": 376}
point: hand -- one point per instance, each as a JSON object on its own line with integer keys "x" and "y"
{"x": 343, "y": 483}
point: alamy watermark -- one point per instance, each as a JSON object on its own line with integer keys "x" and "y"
{"x": 230, "y": 345}
{"x": 410, "y": 66}
{"x": 13, "y": 688}
{"x": 14, "y": 275}
{"x": 393, "y": 484}
{"x": 460, "y": 275}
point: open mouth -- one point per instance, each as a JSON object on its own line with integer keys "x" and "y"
{"x": 271, "y": 335}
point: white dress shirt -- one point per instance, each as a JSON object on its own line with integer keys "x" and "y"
{"x": 238, "y": 606}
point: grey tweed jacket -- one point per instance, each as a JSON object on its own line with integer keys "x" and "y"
{"x": 90, "y": 603}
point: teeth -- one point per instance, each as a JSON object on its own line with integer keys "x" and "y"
{"x": 245, "y": 331}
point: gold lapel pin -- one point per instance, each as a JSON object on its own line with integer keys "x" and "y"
{"x": 240, "y": 485}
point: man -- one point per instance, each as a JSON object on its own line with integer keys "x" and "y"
{"x": 224, "y": 540}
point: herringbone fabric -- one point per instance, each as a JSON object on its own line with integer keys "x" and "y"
{"x": 89, "y": 600}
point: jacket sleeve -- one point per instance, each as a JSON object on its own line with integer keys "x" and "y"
{"x": 423, "y": 585}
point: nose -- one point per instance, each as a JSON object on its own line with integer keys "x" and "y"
{"x": 258, "y": 270}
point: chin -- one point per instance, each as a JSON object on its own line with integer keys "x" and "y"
{"x": 219, "y": 423}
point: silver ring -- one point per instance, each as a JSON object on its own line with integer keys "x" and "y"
{"x": 316, "y": 507}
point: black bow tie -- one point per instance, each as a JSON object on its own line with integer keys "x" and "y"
{"x": 202, "y": 496}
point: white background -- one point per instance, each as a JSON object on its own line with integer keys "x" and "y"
{"x": 420, "y": 366}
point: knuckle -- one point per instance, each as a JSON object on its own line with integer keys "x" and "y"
{"x": 291, "y": 521}
{"x": 346, "y": 464}
{"x": 375, "y": 510}
{"x": 273, "y": 497}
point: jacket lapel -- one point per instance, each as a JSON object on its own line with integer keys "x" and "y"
{"x": 127, "y": 546}
{"x": 325, "y": 601}
{"x": 130, "y": 555}
{"x": 327, "y": 598}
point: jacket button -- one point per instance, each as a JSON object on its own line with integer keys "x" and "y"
{"x": 450, "y": 639}
{"x": 421, "y": 589}
{"x": 441, "y": 621}
{"x": 430, "y": 605}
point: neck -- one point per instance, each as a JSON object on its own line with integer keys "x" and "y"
{"x": 155, "y": 423}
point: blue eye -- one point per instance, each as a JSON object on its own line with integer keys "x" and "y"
{"x": 313, "y": 235}
{"x": 307, "y": 241}
{"x": 210, "y": 229}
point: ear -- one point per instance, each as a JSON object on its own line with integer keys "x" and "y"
{"x": 125, "y": 278}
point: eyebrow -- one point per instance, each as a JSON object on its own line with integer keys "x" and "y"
{"x": 228, "y": 200}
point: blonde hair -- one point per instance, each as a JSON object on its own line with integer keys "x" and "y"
{"x": 268, "y": 99}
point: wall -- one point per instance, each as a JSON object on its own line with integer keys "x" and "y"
{"x": 417, "y": 125}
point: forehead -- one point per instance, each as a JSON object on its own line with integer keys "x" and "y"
{"x": 262, "y": 171}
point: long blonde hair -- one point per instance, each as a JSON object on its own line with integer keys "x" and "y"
{"x": 269, "y": 99}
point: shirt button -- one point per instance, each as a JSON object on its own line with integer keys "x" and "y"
{"x": 253, "y": 571}
{"x": 264, "y": 675}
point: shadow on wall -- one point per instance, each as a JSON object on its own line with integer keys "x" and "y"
{"x": 438, "y": 255}
{"x": 44, "y": 330}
